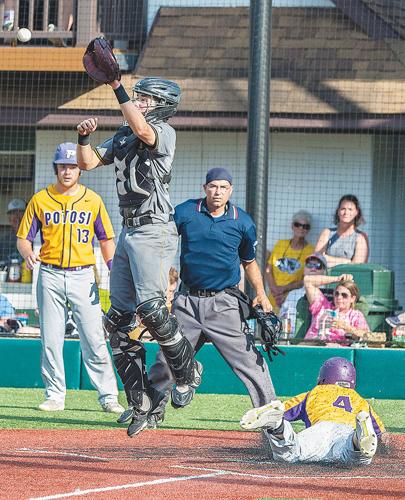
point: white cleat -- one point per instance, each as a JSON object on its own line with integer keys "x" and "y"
{"x": 269, "y": 416}
{"x": 365, "y": 438}
{"x": 52, "y": 405}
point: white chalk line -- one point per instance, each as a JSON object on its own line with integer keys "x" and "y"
{"x": 65, "y": 453}
{"x": 79, "y": 492}
{"x": 263, "y": 476}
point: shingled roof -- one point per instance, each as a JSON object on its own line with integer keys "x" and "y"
{"x": 391, "y": 11}
{"x": 323, "y": 63}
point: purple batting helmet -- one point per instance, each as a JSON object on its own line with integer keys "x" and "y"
{"x": 338, "y": 371}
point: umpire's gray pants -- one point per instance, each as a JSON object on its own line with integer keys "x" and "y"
{"x": 218, "y": 318}
{"x": 54, "y": 288}
{"x": 141, "y": 264}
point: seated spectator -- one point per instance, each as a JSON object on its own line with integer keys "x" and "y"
{"x": 348, "y": 321}
{"x": 345, "y": 243}
{"x": 7, "y": 313}
{"x": 285, "y": 263}
{"x": 8, "y": 244}
{"x": 314, "y": 264}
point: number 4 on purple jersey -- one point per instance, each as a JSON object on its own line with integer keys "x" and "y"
{"x": 344, "y": 403}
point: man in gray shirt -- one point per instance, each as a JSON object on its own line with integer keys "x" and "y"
{"x": 142, "y": 152}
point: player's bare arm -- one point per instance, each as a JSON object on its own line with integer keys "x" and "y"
{"x": 136, "y": 120}
{"x": 107, "y": 248}
{"x": 86, "y": 157}
{"x": 27, "y": 253}
{"x": 254, "y": 276}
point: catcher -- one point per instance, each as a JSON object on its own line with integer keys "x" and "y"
{"x": 142, "y": 151}
{"x": 216, "y": 238}
{"x": 341, "y": 426}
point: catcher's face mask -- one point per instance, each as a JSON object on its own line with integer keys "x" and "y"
{"x": 143, "y": 102}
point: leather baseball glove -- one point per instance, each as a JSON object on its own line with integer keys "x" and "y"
{"x": 99, "y": 61}
{"x": 269, "y": 331}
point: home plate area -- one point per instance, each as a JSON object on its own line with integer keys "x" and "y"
{"x": 166, "y": 464}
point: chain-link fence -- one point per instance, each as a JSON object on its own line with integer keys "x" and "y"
{"x": 336, "y": 111}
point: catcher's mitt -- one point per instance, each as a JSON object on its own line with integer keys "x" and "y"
{"x": 270, "y": 330}
{"x": 99, "y": 61}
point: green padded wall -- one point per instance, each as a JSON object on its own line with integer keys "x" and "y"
{"x": 298, "y": 370}
{"x": 380, "y": 373}
{"x": 293, "y": 373}
{"x": 20, "y": 363}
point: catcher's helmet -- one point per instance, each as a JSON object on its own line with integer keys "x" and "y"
{"x": 166, "y": 92}
{"x": 337, "y": 371}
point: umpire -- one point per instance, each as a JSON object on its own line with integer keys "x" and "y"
{"x": 216, "y": 237}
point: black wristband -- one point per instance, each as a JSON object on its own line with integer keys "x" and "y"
{"x": 121, "y": 95}
{"x": 83, "y": 140}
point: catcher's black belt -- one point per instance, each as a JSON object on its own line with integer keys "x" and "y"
{"x": 140, "y": 221}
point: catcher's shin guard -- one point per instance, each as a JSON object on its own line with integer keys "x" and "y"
{"x": 165, "y": 329}
{"x": 130, "y": 362}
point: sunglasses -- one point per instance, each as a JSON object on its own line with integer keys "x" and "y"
{"x": 344, "y": 295}
{"x": 314, "y": 264}
{"x": 307, "y": 227}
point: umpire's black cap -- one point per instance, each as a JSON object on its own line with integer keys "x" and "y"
{"x": 218, "y": 174}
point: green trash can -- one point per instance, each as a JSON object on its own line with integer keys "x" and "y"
{"x": 376, "y": 285}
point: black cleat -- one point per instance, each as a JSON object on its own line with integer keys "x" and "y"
{"x": 138, "y": 424}
{"x": 140, "y": 418}
{"x": 182, "y": 395}
{"x": 126, "y": 415}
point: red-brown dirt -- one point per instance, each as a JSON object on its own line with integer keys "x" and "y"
{"x": 178, "y": 465}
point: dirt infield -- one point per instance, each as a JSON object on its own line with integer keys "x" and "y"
{"x": 178, "y": 465}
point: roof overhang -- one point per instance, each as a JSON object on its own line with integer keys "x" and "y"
{"x": 232, "y": 123}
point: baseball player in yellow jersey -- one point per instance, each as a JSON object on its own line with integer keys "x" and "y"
{"x": 69, "y": 216}
{"x": 341, "y": 426}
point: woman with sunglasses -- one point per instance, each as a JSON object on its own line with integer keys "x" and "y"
{"x": 345, "y": 243}
{"x": 285, "y": 263}
{"x": 348, "y": 320}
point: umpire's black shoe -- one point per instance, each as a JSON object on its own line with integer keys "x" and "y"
{"x": 140, "y": 418}
{"x": 182, "y": 395}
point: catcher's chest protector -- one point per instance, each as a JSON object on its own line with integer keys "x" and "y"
{"x": 133, "y": 168}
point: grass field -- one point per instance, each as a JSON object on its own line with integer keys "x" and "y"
{"x": 18, "y": 410}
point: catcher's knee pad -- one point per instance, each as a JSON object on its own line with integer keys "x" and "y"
{"x": 114, "y": 320}
{"x": 162, "y": 325}
{"x": 165, "y": 329}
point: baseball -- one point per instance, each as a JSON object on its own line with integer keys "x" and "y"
{"x": 24, "y": 35}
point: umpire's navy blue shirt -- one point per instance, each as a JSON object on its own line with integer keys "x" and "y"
{"x": 212, "y": 247}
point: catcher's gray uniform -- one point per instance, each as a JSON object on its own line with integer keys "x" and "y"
{"x": 146, "y": 248}
{"x": 144, "y": 252}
